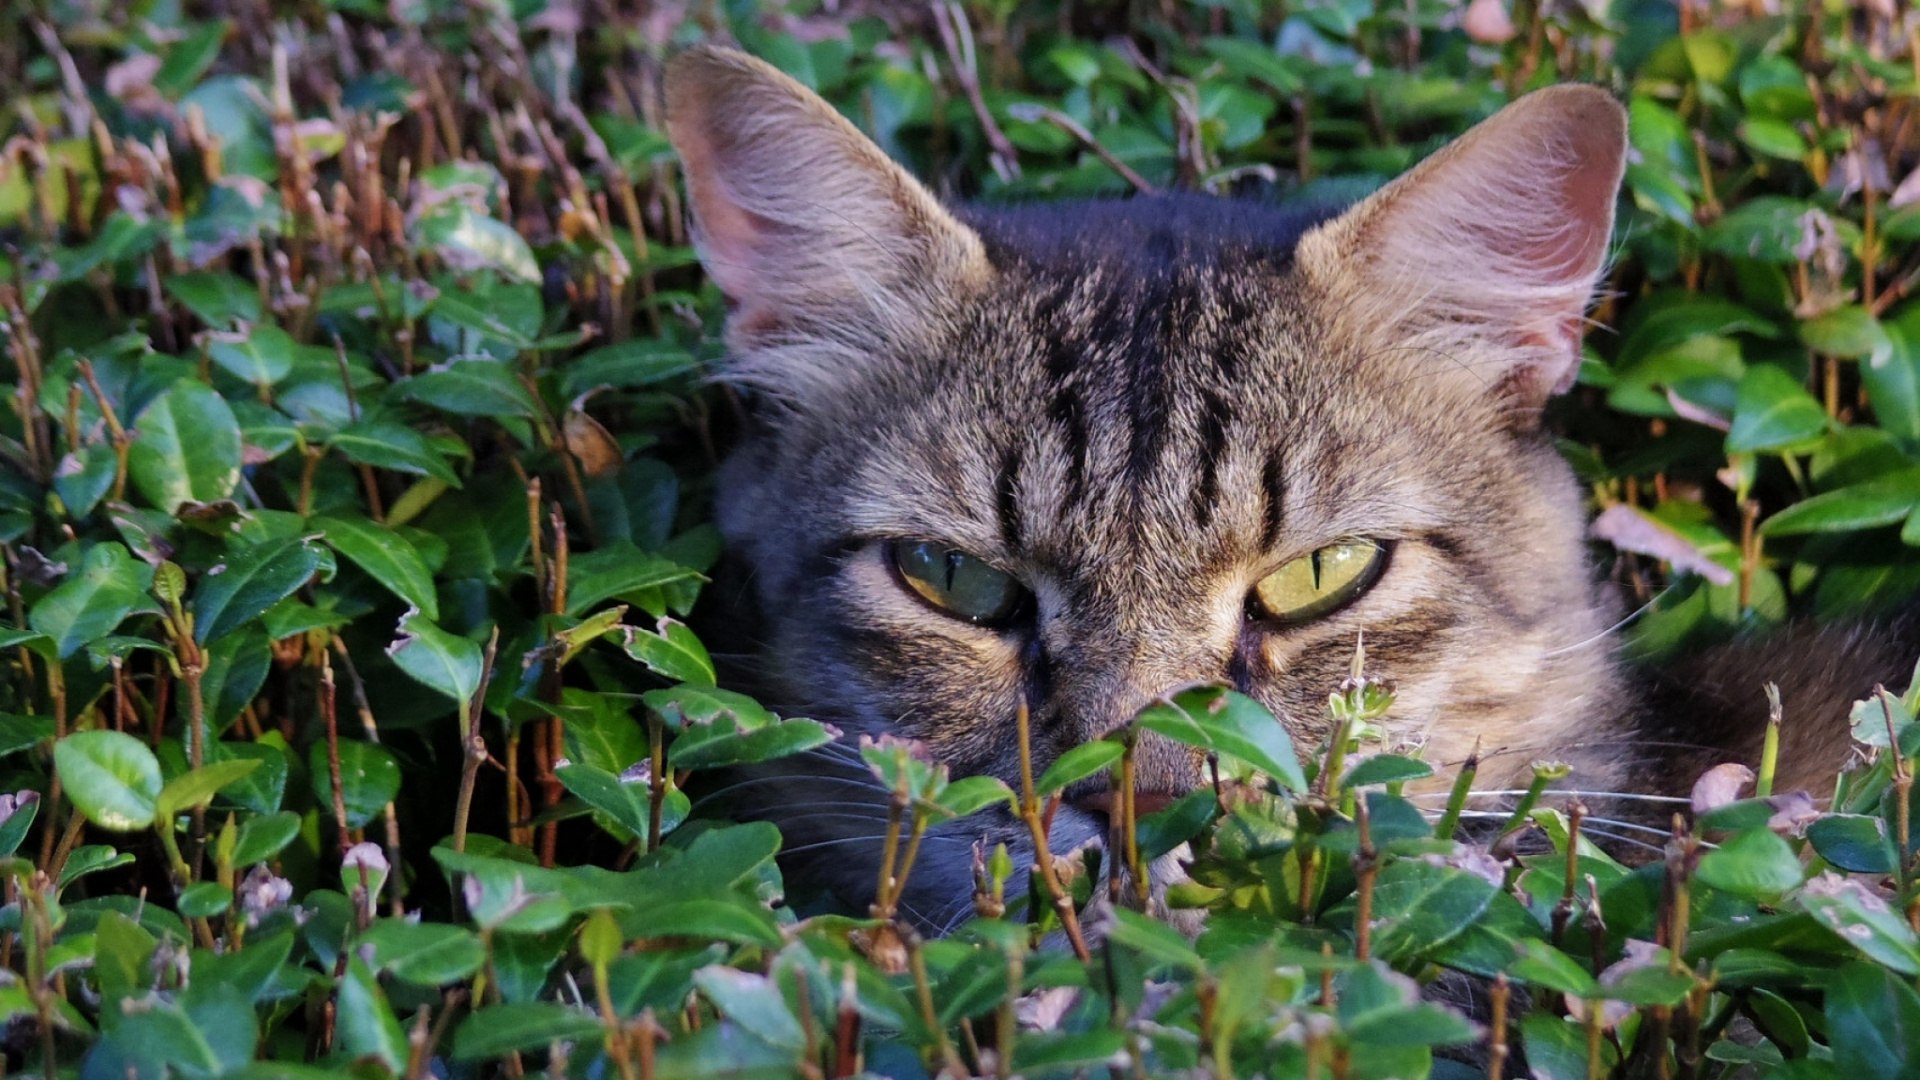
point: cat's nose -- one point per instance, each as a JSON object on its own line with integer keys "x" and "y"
{"x": 1104, "y": 802}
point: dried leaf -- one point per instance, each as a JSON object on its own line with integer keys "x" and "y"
{"x": 1632, "y": 529}
{"x": 1719, "y": 786}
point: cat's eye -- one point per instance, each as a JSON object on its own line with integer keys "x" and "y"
{"x": 957, "y": 583}
{"x": 1321, "y": 583}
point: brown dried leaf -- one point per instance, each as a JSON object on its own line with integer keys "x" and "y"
{"x": 1488, "y": 23}
{"x": 1631, "y": 529}
{"x": 599, "y": 454}
{"x": 1719, "y": 786}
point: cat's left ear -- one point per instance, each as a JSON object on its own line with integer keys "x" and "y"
{"x": 1485, "y": 256}
{"x": 801, "y": 220}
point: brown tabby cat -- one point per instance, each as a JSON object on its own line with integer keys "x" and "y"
{"x": 1079, "y": 454}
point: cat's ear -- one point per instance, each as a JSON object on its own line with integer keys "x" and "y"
{"x": 800, "y": 219}
{"x": 1485, "y": 256}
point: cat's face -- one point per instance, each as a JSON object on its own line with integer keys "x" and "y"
{"x": 1079, "y": 457}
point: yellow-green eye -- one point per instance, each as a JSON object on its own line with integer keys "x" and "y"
{"x": 1322, "y": 583}
{"x": 958, "y": 583}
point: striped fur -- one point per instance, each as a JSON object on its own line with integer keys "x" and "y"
{"x": 1140, "y": 409}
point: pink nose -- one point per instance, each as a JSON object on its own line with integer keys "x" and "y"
{"x": 1144, "y": 802}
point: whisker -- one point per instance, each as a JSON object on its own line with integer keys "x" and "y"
{"x": 1616, "y": 627}
{"x": 1628, "y": 840}
{"x": 1516, "y": 792}
{"x": 1616, "y": 823}
{"x": 873, "y": 838}
{"x": 866, "y": 786}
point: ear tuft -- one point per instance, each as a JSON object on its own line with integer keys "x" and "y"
{"x": 799, "y": 218}
{"x": 1487, "y": 253}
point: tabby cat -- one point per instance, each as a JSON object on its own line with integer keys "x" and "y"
{"x": 1076, "y": 455}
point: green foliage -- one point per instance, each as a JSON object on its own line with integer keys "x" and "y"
{"x": 359, "y": 415}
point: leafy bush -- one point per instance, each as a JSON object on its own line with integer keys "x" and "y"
{"x": 354, "y": 491}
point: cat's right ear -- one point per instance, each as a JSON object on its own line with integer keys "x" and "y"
{"x": 801, "y": 220}
{"x": 1481, "y": 261}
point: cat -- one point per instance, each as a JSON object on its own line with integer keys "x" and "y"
{"x": 1078, "y": 454}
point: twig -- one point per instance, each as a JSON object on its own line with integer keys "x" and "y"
{"x": 1035, "y": 113}
{"x": 1042, "y": 856}
{"x": 957, "y": 37}
{"x": 476, "y": 749}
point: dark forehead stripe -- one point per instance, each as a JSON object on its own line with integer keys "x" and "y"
{"x": 1273, "y": 480}
{"x": 1216, "y": 415}
{"x": 1066, "y": 411}
{"x": 1144, "y": 307}
{"x": 1006, "y": 498}
{"x": 1150, "y": 383}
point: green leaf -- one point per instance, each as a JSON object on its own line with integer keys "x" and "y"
{"x": 626, "y": 804}
{"x": 618, "y": 569}
{"x": 626, "y": 365}
{"x": 1227, "y": 722}
{"x": 499, "y": 1030}
{"x": 1864, "y": 920}
{"x": 203, "y": 899}
{"x": 446, "y": 663}
{"x": 1856, "y": 843}
{"x": 717, "y": 747}
{"x": 390, "y": 446}
{"x": 369, "y": 779}
{"x": 109, "y": 585}
{"x": 190, "y": 58}
{"x": 600, "y": 940}
{"x": 92, "y": 858}
{"x": 111, "y": 777}
{"x": 34, "y": 641}
{"x": 972, "y": 794}
{"x": 469, "y": 240}
{"x": 423, "y": 953}
{"x": 1255, "y": 61}
{"x": 1893, "y": 379}
{"x": 1420, "y": 906}
{"x": 197, "y": 788}
{"x": 1850, "y": 509}
{"x": 20, "y": 732}
{"x": 1849, "y": 332}
{"x": 673, "y": 651}
{"x": 1544, "y": 965}
{"x": 219, "y": 299}
{"x": 1772, "y": 138}
{"x": 1077, "y": 764}
{"x": 752, "y": 1001}
{"x": 236, "y": 668}
{"x": 13, "y": 830}
{"x": 1155, "y": 940}
{"x": 469, "y": 388}
{"x": 82, "y": 479}
{"x": 1773, "y": 412}
{"x": 365, "y": 1022}
{"x": 187, "y": 449}
{"x": 1053, "y": 1053}
{"x": 386, "y": 556}
{"x": 263, "y": 356}
{"x": 1873, "y": 1023}
{"x": 263, "y": 837}
{"x": 249, "y": 582}
{"x": 1386, "y": 769}
{"x": 1754, "y": 864}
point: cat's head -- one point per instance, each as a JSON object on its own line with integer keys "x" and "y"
{"x": 1081, "y": 455}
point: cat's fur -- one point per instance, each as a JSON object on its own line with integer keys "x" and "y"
{"x": 1140, "y": 408}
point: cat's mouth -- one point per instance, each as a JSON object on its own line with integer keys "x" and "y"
{"x": 1104, "y": 802}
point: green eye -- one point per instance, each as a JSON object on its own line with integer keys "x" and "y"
{"x": 957, "y": 583}
{"x": 1321, "y": 583}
